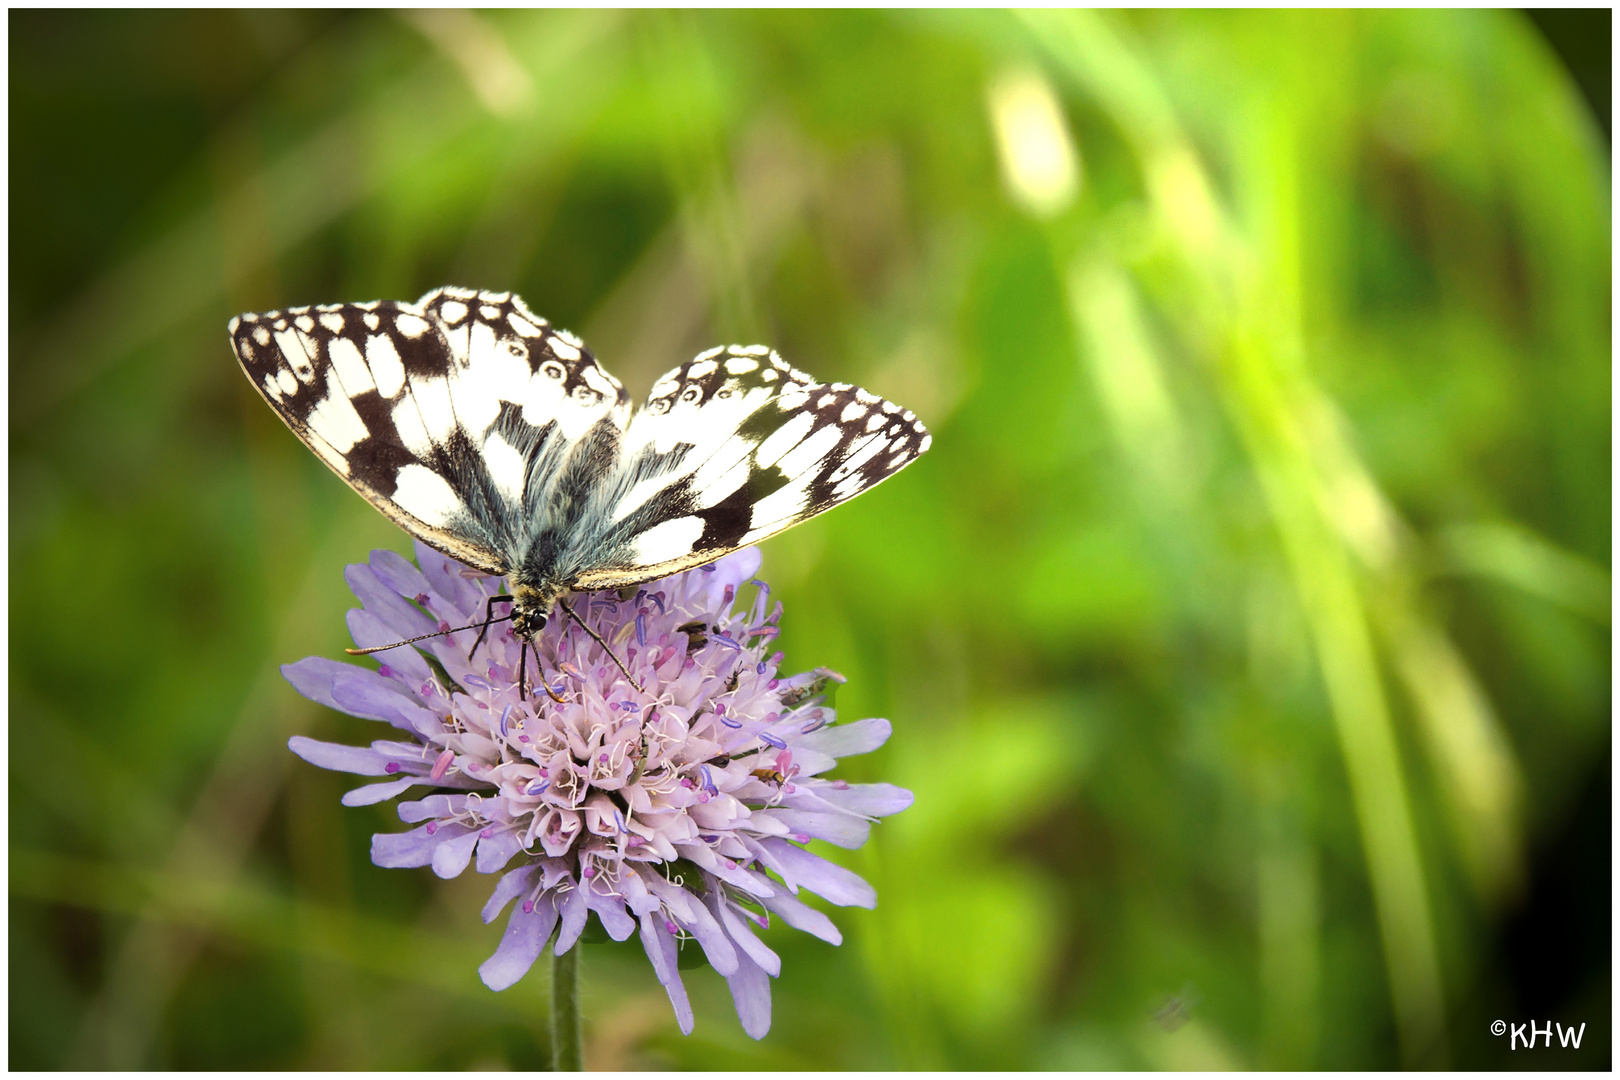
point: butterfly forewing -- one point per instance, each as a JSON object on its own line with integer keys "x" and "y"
{"x": 456, "y": 415}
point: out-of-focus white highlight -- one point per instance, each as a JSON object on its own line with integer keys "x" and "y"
{"x": 499, "y": 81}
{"x": 1039, "y": 162}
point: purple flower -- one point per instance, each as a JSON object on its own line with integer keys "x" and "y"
{"x": 675, "y": 811}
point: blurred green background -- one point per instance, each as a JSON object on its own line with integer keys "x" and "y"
{"x": 1245, "y": 632}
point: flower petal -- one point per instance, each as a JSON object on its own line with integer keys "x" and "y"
{"x": 802, "y": 869}
{"x": 636, "y": 895}
{"x": 751, "y": 990}
{"x": 461, "y": 595}
{"x": 395, "y": 571}
{"x": 870, "y": 800}
{"x": 434, "y": 806}
{"x": 368, "y": 631}
{"x": 610, "y": 909}
{"x": 507, "y": 889}
{"x": 574, "y": 912}
{"x": 841, "y": 829}
{"x": 312, "y": 677}
{"x": 496, "y": 851}
{"x": 393, "y": 609}
{"x": 376, "y": 793}
{"x": 362, "y": 760}
{"x": 520, "y": 947}
{"x": 451, "y": 857}
{"x": 414, "y": 848}
{"x": 716, "y": 945}
{"x": 742, "y": 936}
{"x": 801, "y": 916}
{"x": 733, "y": 570}
{"x": 660, "y": 946}
{"x": 372, "y": 697}
{"x": 844, "y": 740}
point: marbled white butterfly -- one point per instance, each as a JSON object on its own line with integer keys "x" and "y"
{"x": 498, "y": 440}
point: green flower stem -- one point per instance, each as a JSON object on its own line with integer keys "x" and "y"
{"x": 567, "y": 1054}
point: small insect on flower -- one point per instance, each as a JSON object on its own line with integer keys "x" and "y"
{"x": 669, "y": 800}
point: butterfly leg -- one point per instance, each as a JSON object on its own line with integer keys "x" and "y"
{"x": 523, "y": 671}
{"x": 605, "y": 646}
{"x": 523, "y": 668}
{"x": 489, "y": 617}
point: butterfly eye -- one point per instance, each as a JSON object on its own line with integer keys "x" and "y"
{"x": 586, "y": 396}
{"x": 553, "y": 371}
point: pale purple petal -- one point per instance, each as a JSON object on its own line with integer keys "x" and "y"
{"x": 414, "y": 848}
{"x": 451, "y": 653}
{"x": 312, "y": 677}
{"x": 660, "y": 946}
{"x": 520, "y": 947}
{"x": 872, "y": 800}
{"x": 637, "y": 896}
{"x": 610, "y": 909}
{"x": 811, "y": 762}
{"x": 496, "y": 850}
{"x": 697, "y": 921}
{"x": 464, "y": 597}
{"x": 845, "y": 740}
{"x": 369, "y": 631}
{"x": 508, "y": 889}
{"x": 371, "y": 697}
{"x": 803, "y": 870}
{"x": 733, "y": 570}
{"x": 840, "y": 829}
{"x": 376, "y": 793}
{"x": 451, "y": 857}
{"x": 395, "y": 571}
{"x": 574, "y": 912}
{"x": 801, "y": 916}
{"x": 352, "y": 759}
{"x": 433, "y": 806}
{"x": 394, "y": 611}
{"x": 743, "y": 937}
{"x": 751, "y": 990}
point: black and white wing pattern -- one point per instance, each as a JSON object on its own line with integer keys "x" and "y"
{"x": 464, "y": 417}
{"x": 729, "y": 449}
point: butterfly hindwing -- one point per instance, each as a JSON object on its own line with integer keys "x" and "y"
{"x": 457, "y": 416}
{"x": 732, "y": 448}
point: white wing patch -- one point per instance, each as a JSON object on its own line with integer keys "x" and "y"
{"x": 668, "y": 540}
{"x": 425, "y": 494}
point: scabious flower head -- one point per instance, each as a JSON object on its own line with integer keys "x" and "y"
{"x": 676, "y": 810}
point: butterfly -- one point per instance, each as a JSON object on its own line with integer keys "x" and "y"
{"x": 495, "y": 438}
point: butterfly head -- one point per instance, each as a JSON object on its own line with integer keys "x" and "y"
{"x": 531, "y": 608}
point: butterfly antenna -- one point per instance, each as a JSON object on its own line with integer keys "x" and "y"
{"x": 605, "y": 646}
{"x": 419, "y": 637}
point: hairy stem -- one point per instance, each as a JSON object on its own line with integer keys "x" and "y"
{"x": 566, "y": 1051}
